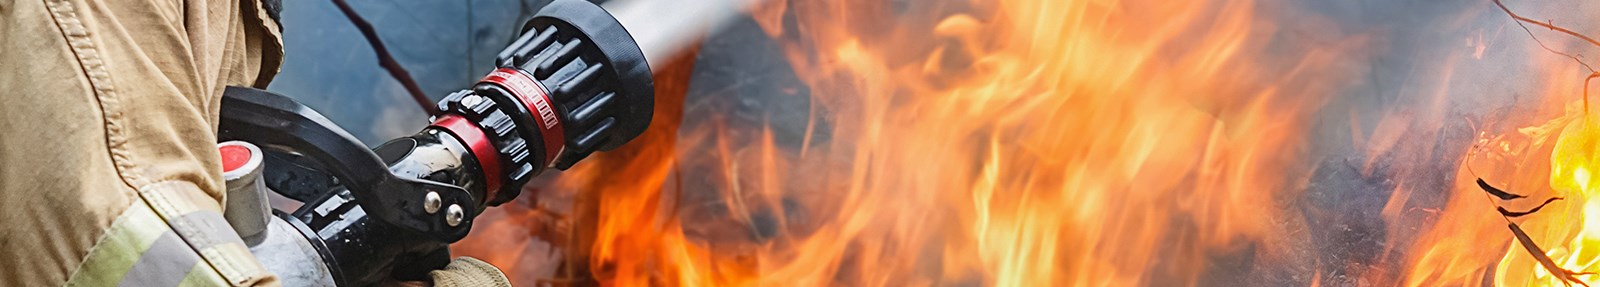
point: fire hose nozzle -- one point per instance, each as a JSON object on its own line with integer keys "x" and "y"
{"x": 574, "y": 83}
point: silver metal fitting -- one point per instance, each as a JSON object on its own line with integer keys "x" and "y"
{"x": 431, "y": 202}
{"x": 454, "y": 215}
{"x": 246, "y": 208}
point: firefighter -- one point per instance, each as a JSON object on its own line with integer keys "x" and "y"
{"x": 109, "y": 172}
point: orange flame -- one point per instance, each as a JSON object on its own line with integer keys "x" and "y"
{"x": 1013, "y": 143}
{"x": 1007, "y": 143}
{"x": 1547, "y": 151}
{"x": 1470, "y": 242}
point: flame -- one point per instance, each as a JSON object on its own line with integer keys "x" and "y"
{"x": 1570, "y": 231}
{"x": 1541, "y": 151}
{"x": 1470, "y": 243}
{"x": 1006, "y": 143}
{"x": 1066, "y": 143}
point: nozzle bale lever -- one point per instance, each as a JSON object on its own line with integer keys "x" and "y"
{"x": 575, "y": 82}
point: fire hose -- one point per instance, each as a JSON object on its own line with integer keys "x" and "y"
{"x": 575, "y": 82}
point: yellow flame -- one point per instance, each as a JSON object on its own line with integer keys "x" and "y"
{"x": 1569, "y": 240}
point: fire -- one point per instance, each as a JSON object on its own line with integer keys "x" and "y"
{"x": 1546, "y": 150}
{"x": 1006, "y": 143}
{"x": 1553, "y": 159}
{"x": 1470, "y": 243}
{"x": 1574, "y": 228}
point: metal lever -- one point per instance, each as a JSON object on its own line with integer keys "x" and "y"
{"x": 273, "y": 120}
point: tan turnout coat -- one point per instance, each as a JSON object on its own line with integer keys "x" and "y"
{"x": 109, "y": 173}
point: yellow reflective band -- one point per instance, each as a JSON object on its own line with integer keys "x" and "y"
{"x": 129, "y": 235}
{"x": 169, "y": 239}
{"x": 198, "y": 220}
{"x": 164, "y": 263}
{"x": 202, "y": 275}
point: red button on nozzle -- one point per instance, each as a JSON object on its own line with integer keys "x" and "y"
{"x": 233, "y": 157}
{"x": 239, "y": 159}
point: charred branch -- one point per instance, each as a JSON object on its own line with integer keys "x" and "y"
{"x": 1496, "y": 192}
{"x": 1567, "y": 276}
{"x": 1508, "y": 213}
{"x": 1520, "y": 20}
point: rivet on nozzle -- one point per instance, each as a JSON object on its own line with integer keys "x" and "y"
{"x": 454, "y": 215}
{"x": 431, "y": 202}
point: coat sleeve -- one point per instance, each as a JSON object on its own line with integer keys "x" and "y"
{"x": 110, "y": 110}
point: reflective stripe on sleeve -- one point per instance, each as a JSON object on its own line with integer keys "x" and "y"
{"x": 171, "y": 236}
{"x": 139, "y": 249}
{"x": 211, "y": 226}
{"x": 198, "y": 220}
{"x": 165, "y": 263}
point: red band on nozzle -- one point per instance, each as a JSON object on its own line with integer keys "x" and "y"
{"x": 537, "y": 100}
{"x": 478, "y": 143}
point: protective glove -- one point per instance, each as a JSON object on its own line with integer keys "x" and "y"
{"x": 468, "y": 271}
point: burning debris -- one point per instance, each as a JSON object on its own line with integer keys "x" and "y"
{"x": 1503, "y": 195}
{"x": 1567, "y": 276}
{"x": 1566, "y": 232}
